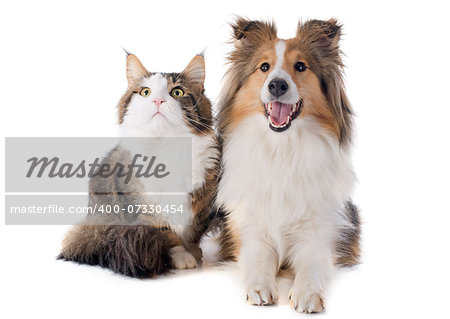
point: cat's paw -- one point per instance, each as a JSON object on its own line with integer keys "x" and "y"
{"x": 182, "y": 259}
{"x": 302, "y": 300}
{"x": 261, "y": 295}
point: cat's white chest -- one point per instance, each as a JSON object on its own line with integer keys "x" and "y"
{"x": 176, "y": 198}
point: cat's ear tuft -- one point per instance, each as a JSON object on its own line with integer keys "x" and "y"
{"x": 195, "y": 71}
{"x": 135, "y": 70}
{"x": 126, "y": 51}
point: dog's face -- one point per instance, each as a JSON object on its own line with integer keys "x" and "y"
{"x": 285, "y": 80}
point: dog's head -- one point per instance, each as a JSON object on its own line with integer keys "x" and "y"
{"x": 287, "y": 79}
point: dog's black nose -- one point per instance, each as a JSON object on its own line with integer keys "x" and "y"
{"x": 278, "y": 87}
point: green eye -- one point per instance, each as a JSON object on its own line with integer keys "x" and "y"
{"x": 177, "y": 92}
{"x": 145, "y": 92}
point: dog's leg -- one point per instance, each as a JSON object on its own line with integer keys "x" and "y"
{"x": 312, "y": 262}
{"x": 259, "y": 263}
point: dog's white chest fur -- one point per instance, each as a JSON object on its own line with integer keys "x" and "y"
{"x": 279, "y": 183}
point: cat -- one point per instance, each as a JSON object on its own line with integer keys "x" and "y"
{"x": 155, "y": 106}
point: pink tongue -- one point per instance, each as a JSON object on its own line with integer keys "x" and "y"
{"x": 280, "y": 112}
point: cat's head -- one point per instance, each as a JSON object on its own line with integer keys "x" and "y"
{"x": 165, "y": 104}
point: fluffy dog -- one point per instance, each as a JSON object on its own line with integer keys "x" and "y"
{"x": 287, "y": 177}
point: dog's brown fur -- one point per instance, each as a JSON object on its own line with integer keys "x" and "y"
{"x": 317, "y": 43}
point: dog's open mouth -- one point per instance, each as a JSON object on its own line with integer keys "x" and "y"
{"x": 280, "y": 114}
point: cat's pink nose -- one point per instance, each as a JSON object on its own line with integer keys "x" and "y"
{"x": 159, "y": 102}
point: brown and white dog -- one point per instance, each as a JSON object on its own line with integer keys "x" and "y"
{"x": 286, "y": 128}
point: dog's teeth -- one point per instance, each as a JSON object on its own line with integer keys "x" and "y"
{"x": 293, "y": 107}
{"x": 287, "y": 121}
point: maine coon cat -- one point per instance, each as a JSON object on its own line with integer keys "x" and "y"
{"x": 155, "y": 106}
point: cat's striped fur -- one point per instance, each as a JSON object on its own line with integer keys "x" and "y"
{"x": 148, "y": 245}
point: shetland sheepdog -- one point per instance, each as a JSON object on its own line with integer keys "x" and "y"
{"x": 286, "y": 128}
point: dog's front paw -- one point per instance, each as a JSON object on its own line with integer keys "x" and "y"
{"x": 306, "y": 301}
{"x": 261, "y": 295}
{"x": 181, "y": 259}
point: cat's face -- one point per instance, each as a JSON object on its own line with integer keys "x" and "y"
{"x": 165, "y": 104}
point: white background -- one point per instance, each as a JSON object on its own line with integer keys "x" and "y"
{"x": 62, "y": 72}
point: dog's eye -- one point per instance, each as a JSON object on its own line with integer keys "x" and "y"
{"x": 145, "y": 92}
{"x": 300, "y": 66}
{"x": 265, "y": 67}
{"x": 177, "y": 92}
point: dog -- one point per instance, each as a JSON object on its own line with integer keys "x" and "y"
{"x": 286, "y": 128}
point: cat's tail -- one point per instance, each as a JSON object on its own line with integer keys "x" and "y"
{"x": 134, "y": 250}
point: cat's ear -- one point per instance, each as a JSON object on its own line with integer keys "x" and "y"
{"x": 135, "y": 70}
{"x": 194, "y": 72}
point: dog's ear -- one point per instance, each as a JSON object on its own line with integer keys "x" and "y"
{"x": 250, "y": 33}
{"x": 325, "y": 34}
{"x": 195, "y": 71}
{"x": 322, "y": 39}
